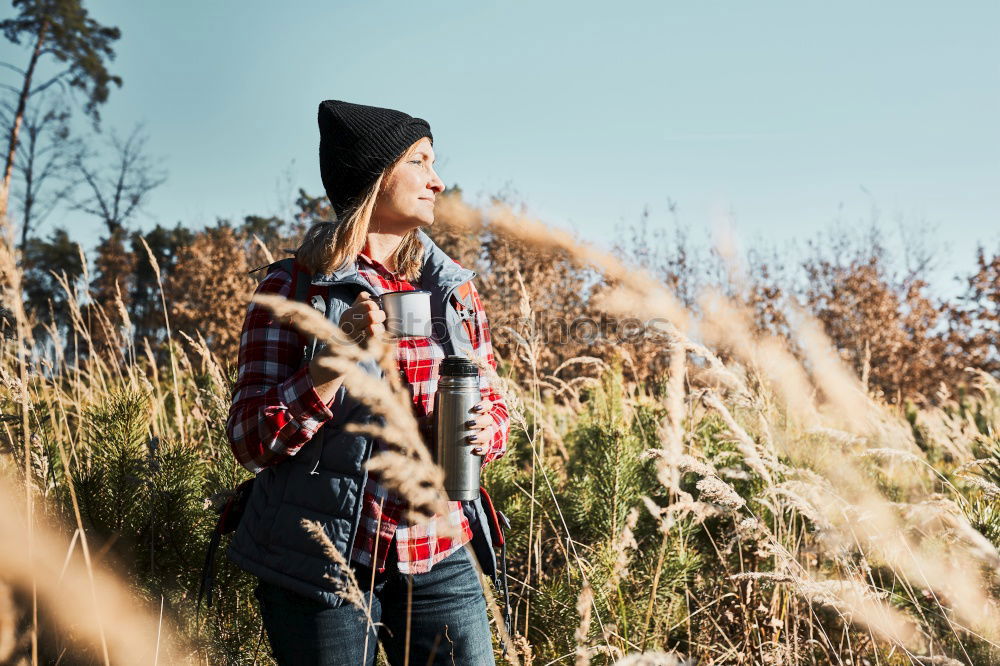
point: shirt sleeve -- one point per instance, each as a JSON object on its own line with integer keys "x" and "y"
{"x": 275, "y": 408}
{"x": 483, "y": 348}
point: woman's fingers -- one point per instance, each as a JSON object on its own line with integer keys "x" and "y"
{"x": 480, "y": 444}
{"x": 481, "y": 407}
{"x": 478, "y": 441}
{"x": 480, "y": 422}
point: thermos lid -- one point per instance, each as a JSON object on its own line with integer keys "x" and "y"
{"x": 458, "y": 366}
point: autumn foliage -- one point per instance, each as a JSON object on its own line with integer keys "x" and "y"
{"x": 905, "y": 343}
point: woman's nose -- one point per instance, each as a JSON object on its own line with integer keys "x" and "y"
{"x": 437, "y": 184}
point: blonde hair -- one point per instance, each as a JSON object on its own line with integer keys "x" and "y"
{"x": 329, "y": 246}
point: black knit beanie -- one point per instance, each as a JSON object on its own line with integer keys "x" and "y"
{"x": 357, "y": 143}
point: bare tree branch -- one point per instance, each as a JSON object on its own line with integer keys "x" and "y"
{"x": 58, "y": 78}
{"x": 117, "y": 191}
{"x": 13, "y": 67}
{"x": 44, "y": 165}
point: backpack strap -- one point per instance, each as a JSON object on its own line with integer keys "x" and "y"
{"x": 301, "y": 278}
{"x": 499, "y": 525}
{"x": 229, "y": 517}
{"x": 303, "y": 291}
{"x": 467, "y": 311}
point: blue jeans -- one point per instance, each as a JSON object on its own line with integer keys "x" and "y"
{"x": 447, "y": 622}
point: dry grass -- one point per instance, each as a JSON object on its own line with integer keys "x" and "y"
{"x": 828, "y": 395}
{"x": 825, "y": 527}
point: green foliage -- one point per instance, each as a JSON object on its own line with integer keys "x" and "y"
{"x": 64, "y": 30}
{"x": 554, "y": 617}
{"x": 574, "y": 485}
{"x": 111, "y": 478}
{"x": 57, "y": 254}
{"x": 607, "y": 475}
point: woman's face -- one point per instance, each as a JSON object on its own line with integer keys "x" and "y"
{"x": 407, "y": 198}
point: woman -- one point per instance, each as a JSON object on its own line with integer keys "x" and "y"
{"x": 287, "y": 419}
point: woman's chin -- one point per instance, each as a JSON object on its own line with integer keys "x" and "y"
{"x": 415, "y": 222}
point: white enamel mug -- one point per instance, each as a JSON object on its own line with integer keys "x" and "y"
{"x": 407, "y": 313}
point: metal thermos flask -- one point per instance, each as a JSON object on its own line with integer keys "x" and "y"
{"x": 457, "y": 393}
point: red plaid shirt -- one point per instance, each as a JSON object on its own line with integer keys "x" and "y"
{"x": 275, "y": 411}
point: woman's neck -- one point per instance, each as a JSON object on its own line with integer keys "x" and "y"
{"x": 381, "y": 247}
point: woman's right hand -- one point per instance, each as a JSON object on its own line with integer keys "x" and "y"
{"x": 364, "y": 319}
{"x": 361, "y": 321}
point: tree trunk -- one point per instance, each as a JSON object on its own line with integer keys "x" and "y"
{"x": 22, "y": 103}
{"x": 29, "y": 201}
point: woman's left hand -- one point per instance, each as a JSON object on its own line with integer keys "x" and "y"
{"x": 482, "y": 424}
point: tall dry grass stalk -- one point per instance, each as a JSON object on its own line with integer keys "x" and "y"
{"x": 263, "y": 248}
{"x": 8, "y": 623}
{"x": 170, "y": 345}
{"x": 11, "y": 276}
{"x": 347, "y": 588}
{"x": 653, "y": 659}
{"x": 584, "y": 608}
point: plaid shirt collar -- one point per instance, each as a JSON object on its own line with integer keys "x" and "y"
{"x": 363, "y": 257}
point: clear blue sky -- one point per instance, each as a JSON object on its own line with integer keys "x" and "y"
{"x": 785, "y": 115}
